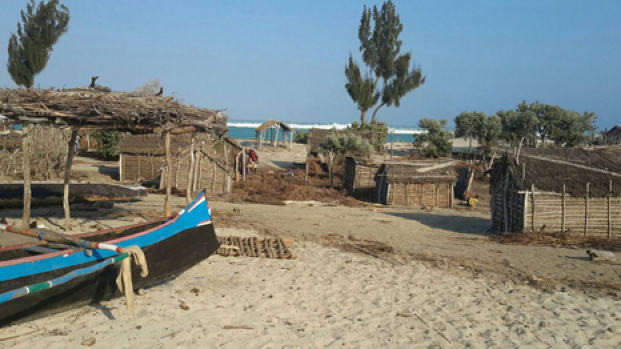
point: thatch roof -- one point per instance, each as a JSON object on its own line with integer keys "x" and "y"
{"x": 271, "y": 123}
{"x": 615, "y": 131}
{"x": 94, "y": 108}
{"x": 317, "y": 135}
{"x": 422, "y": 171}
{"x": 549, "y": 169}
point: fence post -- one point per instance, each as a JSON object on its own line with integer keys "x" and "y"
{"x": 563, "y": 207}
{"x": 609, "y": 210}
{"x": 534, "y": 211}
{"x": 586, "y": 210}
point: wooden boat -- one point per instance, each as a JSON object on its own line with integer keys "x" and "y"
{"x": 36, "y": 280}
{"x": 51, "y": 193}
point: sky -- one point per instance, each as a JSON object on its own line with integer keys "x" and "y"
{"x": 283, "y": 59}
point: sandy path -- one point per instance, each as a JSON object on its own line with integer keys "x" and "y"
{"x": 327, "y": 298}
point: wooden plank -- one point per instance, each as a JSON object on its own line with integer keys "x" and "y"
{"x": 167, "y": 211}
{"x": 27, "y": 188}
{"x": 71, "y": 146}
{"x": 586, "y": 210}
{"x": 609, "y": 207}
{"x": 534, "y": 208}
{"x": 563, "y": 210}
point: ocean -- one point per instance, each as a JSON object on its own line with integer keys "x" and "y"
{"x": 246, "y": 129}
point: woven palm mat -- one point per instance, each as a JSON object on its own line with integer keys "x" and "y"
{"x": 233, "y": 246}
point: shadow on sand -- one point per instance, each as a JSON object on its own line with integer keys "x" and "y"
{"x": 454, "y": 223}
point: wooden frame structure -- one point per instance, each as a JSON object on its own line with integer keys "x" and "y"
{"x": 268, "y": 132}
{"x": 96, "y": 107}
{"x": 428, "y": 183}
{"x": 550, "y": 192}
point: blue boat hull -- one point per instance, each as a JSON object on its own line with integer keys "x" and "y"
{"x": 186, "y": 246}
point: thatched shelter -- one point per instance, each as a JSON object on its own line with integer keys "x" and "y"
{"x": 204, "y": 161}
{"x": 96, "y": 107}
{"x": 416, "y": 183}
{"x": 360, "y": 173}
{"x": 268, "y": 131}
{"x": 557, "y": 190}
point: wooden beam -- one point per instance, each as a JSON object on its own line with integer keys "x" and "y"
{"x": 586, "y": 210}
{"x": 563, "y": 211}
{"x": 27, "y": 188}
{"x": 71, "y": 146}
{"x": 167, "y": 211}
{"x": 561, "y": 162}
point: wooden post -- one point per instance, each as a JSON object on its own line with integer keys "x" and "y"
{"x": 392, "y": 143}
{"x": 452, "y": 195}
{"x": 563, "y": 212}
{"x": 276, "y": 138}
{"x": 407, "y": 194}
{"x": 609, "y": 208}
{"x": 27, "y": 188}
{"x": 237, "y": 167}
{"x": 422, "y": 194}
{"x": 504, "y": 194}
{"x": 226, "y": 164}
{"x": 308, "y": 154}
{"x": 331, "y": 155}
{"x": 534, "y": 212}
{"x": 71, "y": 147}
{"x": 437, "y": 195}
{"x": 121, "y": 167}
{"x": 586, "y": 210}
{"x": 167, "y": 211}
{"x": 525, "y": 211}
{"x": 244, "y": 165}
{"x": 188, "y": 190}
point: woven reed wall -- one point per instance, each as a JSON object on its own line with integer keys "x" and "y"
{"x": 359, "y": 176}
{"x": 135, "y": 167}
{"x": 417, "y": 194}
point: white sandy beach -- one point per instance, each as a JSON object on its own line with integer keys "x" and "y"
{"x": 328, "y": 298}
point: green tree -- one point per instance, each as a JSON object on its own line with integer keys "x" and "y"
{"x": 572, "y": 129}
{"x": 380, "y": 46}
{"x": 337, "y": 146}
{"x": 107, "y": 143}
{"x": 434, "y": 141}
{"x": 380, "y": 130}
{"x": 468, "y": 125}
{"x": 30, "y": 49}
{"x": 490, "y": 131}
{"x": 518, "y": 126}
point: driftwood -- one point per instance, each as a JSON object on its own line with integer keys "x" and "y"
{"x": 375, "y": 255}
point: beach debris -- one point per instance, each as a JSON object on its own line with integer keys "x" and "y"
{"x": 89, "y": 342}
{"x": 58, "y": 332}
{"x": 333, "y": 235}
{"x": 184, "y": 306}
{"x": 195, "y": 290}
{"x": 535, "y": 280}
{"x": 233, "y": 327}
{"x": 600, "y": 255}
{"x": 255, "y": 247}
{"x": 403, "y": 315}
{"x": 376, "y": 255}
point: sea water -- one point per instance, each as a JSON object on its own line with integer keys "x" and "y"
{"x": 246, "y": 130}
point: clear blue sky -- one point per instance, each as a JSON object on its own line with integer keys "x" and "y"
{"x": 285, "y": 59}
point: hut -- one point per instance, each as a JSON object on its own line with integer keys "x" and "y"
{"x": 269, "y": 131}
{"x": 558, "y": 190}
{"x": 359, "y": 173}
{"x": 203, "y": 160}
{"x": 97, "y": 107}
{"x": 416, "y": 183}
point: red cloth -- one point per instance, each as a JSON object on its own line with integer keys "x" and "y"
{"x": 253, "y": 156}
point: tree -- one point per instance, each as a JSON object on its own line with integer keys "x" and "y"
{"x": 490, "y": 131}
{"x": 434, "y": 141}
{"x": 380, "y": 46}
{"x": 468, "y": 125}
{"x": 107, "y": 143}
{"x": 341, "y": 145}
{"x": 518, "y": 126}
{"x": 30, "y": 49}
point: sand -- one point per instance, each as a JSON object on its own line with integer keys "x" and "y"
{"x": 328, "y": 298}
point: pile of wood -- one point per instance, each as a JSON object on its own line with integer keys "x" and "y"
{"x": 96, "y": 108}
{"x": 233, "y": 246}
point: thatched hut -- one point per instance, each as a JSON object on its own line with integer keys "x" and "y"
{"x": 416, "y": 183}
{"x": 557, "y": 190}
{"x": 360, "y": 173}
{"x": 269, "y": 131}
{"x": 96, "y": 107}
{"x": 202, "y": 160}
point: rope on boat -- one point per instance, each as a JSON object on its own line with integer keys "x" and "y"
{"x": 123, "y": 281}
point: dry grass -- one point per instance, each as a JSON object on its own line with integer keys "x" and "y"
{"x": 559, "y": 240}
